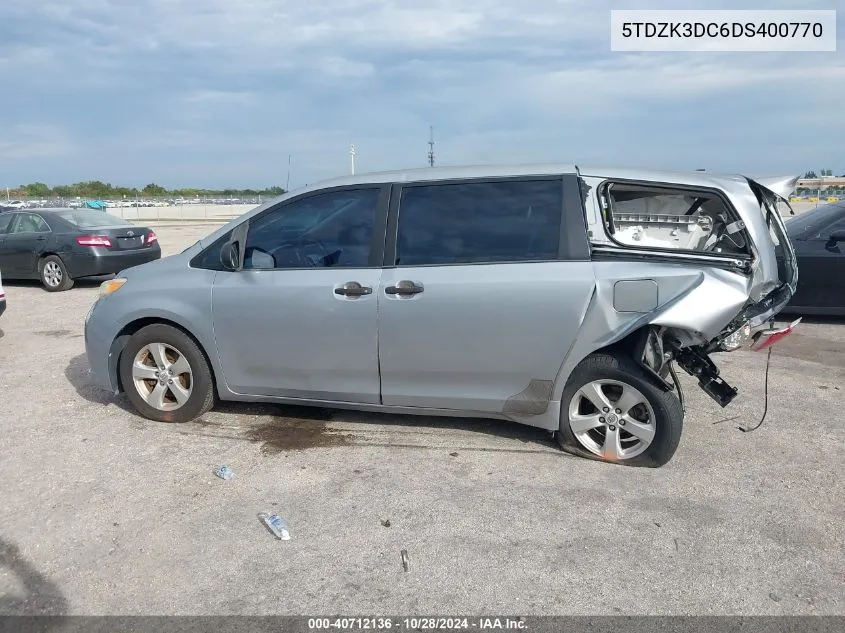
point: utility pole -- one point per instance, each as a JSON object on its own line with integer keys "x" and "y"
{"x": 287, "y": 180}
{"x": 352, "y": 158}
{"x": 431, "y": 146}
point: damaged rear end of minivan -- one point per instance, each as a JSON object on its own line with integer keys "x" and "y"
{"x": 686, "y": 266}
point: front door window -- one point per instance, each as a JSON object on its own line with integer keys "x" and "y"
{"x": 327, "y": 230}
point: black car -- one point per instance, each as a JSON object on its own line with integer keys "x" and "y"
{"x": 818, "y": 237}
{"x": 59, "y": 246}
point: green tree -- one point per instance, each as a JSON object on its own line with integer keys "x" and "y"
{"x": 36, "y": 190}
{"x": 92, "y": 189}
{"x": 153, "y": 189}
{"x": 810, "y": 174}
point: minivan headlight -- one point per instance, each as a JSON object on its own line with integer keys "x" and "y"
{"x": 111, "y": 286}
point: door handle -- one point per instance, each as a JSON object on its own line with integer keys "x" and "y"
{"x": 353, "y": 289}
{"x": 405, "y": 287}
{"x": 41, "y": 238}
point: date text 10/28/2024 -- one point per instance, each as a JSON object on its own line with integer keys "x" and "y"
{"x": 415, "y": 624}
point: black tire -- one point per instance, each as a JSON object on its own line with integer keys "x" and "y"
{"x": 51, "y": 267}
{"x": 668, "y": 413}
{"x": 201, "y": 397}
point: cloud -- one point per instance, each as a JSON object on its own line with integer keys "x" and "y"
{"x": 219, "y": 93}
{"x": 218, "y": 97}
{"x": 27, "y": 141}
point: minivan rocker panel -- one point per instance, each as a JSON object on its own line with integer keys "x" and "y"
{"x": 549, "y": 295}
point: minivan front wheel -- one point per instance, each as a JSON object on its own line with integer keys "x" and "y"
{"x": 165, "y": 375}
{"x": 612, "y": 411}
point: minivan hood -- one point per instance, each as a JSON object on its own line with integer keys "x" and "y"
{"x": 160, "y": 266}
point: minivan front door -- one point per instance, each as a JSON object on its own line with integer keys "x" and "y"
{"x": 478, "y": 311}
{"x": 300, "y": 320}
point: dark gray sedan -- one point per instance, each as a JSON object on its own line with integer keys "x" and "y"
{"x": 59, "y": 246}
{"x": 818, "y": 237}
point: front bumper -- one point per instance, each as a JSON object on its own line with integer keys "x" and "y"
{"x": 100, "y": 335}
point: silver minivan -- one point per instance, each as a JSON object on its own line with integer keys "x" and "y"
{"x": 550, "y": 295}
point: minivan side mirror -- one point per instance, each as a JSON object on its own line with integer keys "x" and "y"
{"x": 230, "y": 256}
{"x": 232, "y": 252}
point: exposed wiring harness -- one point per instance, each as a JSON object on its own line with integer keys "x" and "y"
{"x": 677, "y": 386}
{"x": 748, "y": 429}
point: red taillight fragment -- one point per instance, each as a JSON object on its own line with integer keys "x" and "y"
{"x": 151, "y": 237}
{"x": 767, "y": 338}
{"x": 93, "y": 240}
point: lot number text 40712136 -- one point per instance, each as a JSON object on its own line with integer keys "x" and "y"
{"x": 415, "y": 624}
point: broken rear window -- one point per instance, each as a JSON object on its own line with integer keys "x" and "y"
{"x": 674, "y": 219}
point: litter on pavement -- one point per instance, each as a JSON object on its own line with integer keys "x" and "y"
{"x": 224, "y": 472}
{"x": 405, "y": 559}
{"x": 276, "y": 525}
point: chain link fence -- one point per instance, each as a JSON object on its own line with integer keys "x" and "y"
{"x": 147, "y": 208}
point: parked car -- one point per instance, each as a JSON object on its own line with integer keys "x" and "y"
{"x": 2, "y": 297}
{"x": 818, "y": 237}
{"x": 59, "y": 246}
{"x": 552, "y": 296}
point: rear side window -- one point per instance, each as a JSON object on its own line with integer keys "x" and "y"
{"x": 479, "y": 222}
{"x": 671, "y": 219}
{"x": 29, "y": 223}
{"x": 91, "y": 219}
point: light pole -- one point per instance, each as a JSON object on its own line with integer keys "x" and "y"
{"x": 431, "y": 146}
{"x": 352, "y": 158}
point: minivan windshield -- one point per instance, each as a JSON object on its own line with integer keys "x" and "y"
{"x": 91, "y": 219}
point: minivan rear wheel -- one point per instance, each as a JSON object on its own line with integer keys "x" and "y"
{"x": 613, "y": 412}
{"x": 165, "y": 375}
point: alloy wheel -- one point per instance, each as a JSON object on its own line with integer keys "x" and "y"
{"x": 612, "y": 419}
{"x": 52, "y": 274}
{"x": 162, "y": 376}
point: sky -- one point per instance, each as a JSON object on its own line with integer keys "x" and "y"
{"x": 217, "y": 93}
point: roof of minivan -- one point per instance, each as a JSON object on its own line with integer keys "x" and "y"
{"x": 422, "y": 174}
{"x": 706, "y": 179}
{"x": 446, "y": 173}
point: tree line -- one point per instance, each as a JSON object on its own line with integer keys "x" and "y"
{"x": 824, "y": 172}
{"x": 94, "y": 189}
